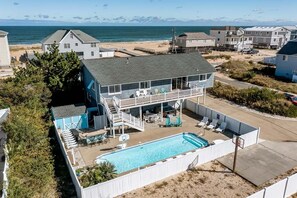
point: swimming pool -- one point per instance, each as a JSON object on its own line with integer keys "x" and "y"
{"x": 148, "y": 153}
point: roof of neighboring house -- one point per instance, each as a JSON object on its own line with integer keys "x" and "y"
{"x": 289, "y": 49}
{"x": 68, "y": 111}
{"x": 266, "y": 29}
{"x": 196, "y": 35}
{"x": 57, "y": 36}
{"x": 113, "y": 71}
{"x": 232, "y": 28}
{"x": 2, "y": 33}
{"x": 3, "y": 114}
{"x": 291, "y": 27}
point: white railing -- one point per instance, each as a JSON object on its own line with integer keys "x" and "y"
{"x": 136, "y": 122}
{"x": 108, "y": 112}
{"x": 157, "y": 98}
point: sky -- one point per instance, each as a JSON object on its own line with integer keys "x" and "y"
{"x": 148, "y": 12}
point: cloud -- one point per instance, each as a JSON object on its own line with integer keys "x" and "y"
{"x": 88, "y": 18}
{"x": 16, "y": 3}
{"x": 179, "y": 7}
{"x": 78, "y": 17}
{"x": 26, "y": 16}
{"x": 257, "y": 11}
{"x": 105, "y": 5}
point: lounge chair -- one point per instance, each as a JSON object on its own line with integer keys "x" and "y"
{"x": 221, "y": 128}
{"x": 213, "y": 124}
{"x": 203, "y": 122}
{"x": 178, "y": 122}
{"x": 137, "y": 93}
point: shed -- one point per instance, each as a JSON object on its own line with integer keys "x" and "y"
{"x": 70, "y": 117}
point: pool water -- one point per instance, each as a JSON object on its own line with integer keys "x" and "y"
{"x": 151, "y": 152}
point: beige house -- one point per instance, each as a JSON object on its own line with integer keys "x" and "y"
{"x": 194, "y": 41}
{"x": 4, "y": 49}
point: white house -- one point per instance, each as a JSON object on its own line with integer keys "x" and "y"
{"x": 269, "y": 37}
{"x": 85, "y": 46}
{"x": 286, "y": 61}
{"x": 231, "y": 37}
{"x": 4, "y": 49}
{"x": 194, "y": 41}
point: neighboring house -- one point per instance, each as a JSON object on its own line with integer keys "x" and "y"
{"x": 231, "y": 37}
{"x": 286, "y": 61}
{"x": 194, "y": 41}
{"x": 123, "y": 88}
{"x": 4, "y": 49}
{"x": 268, "y": 37}
{"x": 293, "y": 30}
{"x": 85, "y": 46}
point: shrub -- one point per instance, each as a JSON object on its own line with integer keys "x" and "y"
{"x": 96, "y": 174}
{"x": 264, "y": 100}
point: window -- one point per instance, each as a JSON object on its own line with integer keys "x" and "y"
{"x": 219, "y": 32}
{"x": 202, "y": 77}
{"x": 93, "y": 86}
{"x": 71, "y": 35}
{"x": 208, "y": 76}
{"x": 245, "y": 39}
{"x": 76, "y": 44}
{"x": 285, "y": 58}
{"x": 227, "y": 39}
{"x": 89, "y": 97}
{"x": 274, "y": 40}
{"x": 275, "y": 33}
{"x": 93, "y": 44}
{"x": 250, "y": 38}
{"x": 66, "y": 45}
{"x": 218, "y": 39}
{"x": 92, "y": 53}
{"x": 145, "y": 85}
{"x": 114, "y": 89}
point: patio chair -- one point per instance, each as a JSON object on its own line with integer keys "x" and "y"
{"x": 178, "y": 122}
{"x": 221, "y": 128}
{"x": 144, "y": 92}
{"x": 213, "y": 124}
{"x": 203, "y": 122}
{"x": 156, "y": 91}
{"x": 163, "y": 90}
{"x": 167, "y": 122}
{"x": 137, "y": 93}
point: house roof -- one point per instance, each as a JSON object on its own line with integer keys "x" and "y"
{"x": 57, "y": 36}
{"x": 68, "y": 111}
{"x": 266, "y": 29}
{"x": 289, "y": 49}
{"x": 196, "y": 35}
{"x": 291, "y": 27}
{"x": 144, "y": 68}
{"x": 2, "y": 33}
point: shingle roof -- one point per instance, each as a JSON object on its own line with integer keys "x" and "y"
{"x": 289, "y": 49}
{"x": 144, "y": 68}
{"x": 2, "y": 33}
{"x": 196, "y": 35}
{"x": 60, "y": 34}
{"x": 68, "y": 111}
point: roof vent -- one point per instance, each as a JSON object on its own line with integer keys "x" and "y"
{"x": 127, "y": 61}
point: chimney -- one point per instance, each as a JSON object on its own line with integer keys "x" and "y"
{"x": 127, "y": 61}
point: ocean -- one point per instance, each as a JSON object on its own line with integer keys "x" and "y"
{"x": 34, "y": 34}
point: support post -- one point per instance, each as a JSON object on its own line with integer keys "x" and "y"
{"x": 113, "y": 131}
{"x": 204, "y": 95}
{"x": 235, "y": 153}
{"x": 73, "y": 156}
{"x": 123, "y": 129}
{"x": 181, "y": 109}
{"x": 140, "y": 113}
{"x": 162, "y": 112}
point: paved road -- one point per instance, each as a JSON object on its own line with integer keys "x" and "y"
{"x": 238, "y": 84}
{"x": 271, "y": 128}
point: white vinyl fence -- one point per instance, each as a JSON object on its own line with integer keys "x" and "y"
{"x": 74, "y": 179}
{"x": 99, "y": 122}
{"x": 283, "y": 188}
{"x": 161, "y": 171}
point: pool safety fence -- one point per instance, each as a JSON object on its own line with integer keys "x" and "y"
{"x": 283, "y": 188}
{"x": 162, "y": 170}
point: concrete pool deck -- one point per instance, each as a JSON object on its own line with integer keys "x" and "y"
{"x": 264, "y": 161}
{"x": 88, "y": 154}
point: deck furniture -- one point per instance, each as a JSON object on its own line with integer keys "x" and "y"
{"x": 213, "y": 124}
{"x": 203, "y": 122}
{"x": 137, "y": 93}
{"x": 221, "y": 128}
{"x": 93, "y": 137}
{"x": 178, "y": 122}
{"x": 168, "y": 122}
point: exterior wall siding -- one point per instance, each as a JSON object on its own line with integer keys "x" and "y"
{"x": 4, "y": 51}
{"x": 87, "y": 79}
{"x": 81, "y": 47}
{"x": 286, "y": 68}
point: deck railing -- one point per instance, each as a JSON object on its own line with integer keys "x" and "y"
{"x": 157, "y": 98}
{"x": 136, "y": 122}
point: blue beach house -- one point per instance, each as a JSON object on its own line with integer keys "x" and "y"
{"x": 70, "y": 117}
{"x": 123, "y": 88}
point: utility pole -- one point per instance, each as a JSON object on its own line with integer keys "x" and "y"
{"x": 173, "y": 49}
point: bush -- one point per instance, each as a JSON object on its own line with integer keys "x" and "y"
{"x": 263, "y": 100}
{"x": 96, "y": 174}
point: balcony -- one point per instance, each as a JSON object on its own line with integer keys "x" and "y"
{"x": 158, "y": 98}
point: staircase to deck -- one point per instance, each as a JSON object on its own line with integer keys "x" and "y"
{"x": 118, "y": 118}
